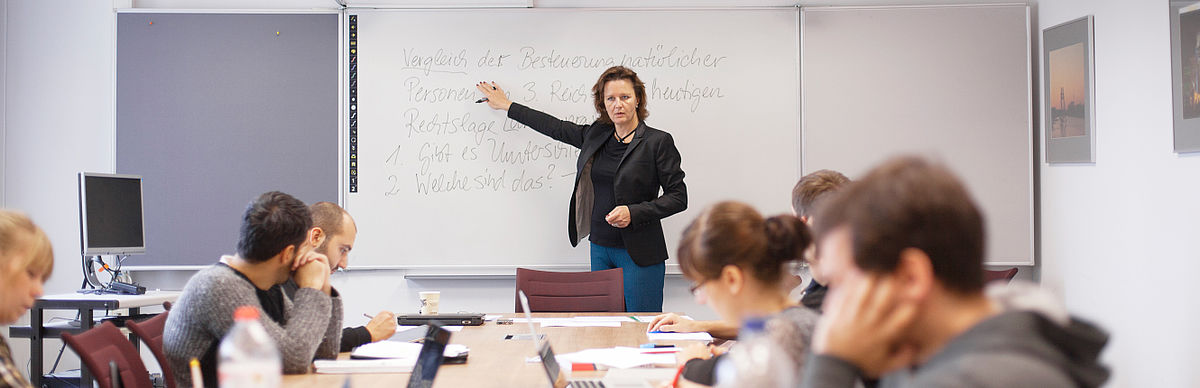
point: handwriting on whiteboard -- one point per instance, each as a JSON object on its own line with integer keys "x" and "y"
{"x": 443, "y": 147}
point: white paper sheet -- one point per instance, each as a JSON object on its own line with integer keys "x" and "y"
{"x": 581, "y": 324}
{"x": 618, "y": 357}
{"x": 697, "y": 336}
{"x": 401, "y": 350}
{"x": 395, "y": 365}
{"x": 606, "y": 318}
{"x": 400, "y": 329}
{"x": 623, "y": 318}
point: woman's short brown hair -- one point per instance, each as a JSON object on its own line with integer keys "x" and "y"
{"x": 733, "y": 233}
{"x": 619, "y": 73}
{"x": 18, "y": 234}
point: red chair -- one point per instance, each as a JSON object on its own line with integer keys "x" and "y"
{"x": 1007, "y": 275}
{"x": 105, "y": 343}
{"x": 596, "y": 291}
{"x": 151, "y": 332}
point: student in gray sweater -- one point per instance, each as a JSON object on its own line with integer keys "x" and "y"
{"x": 903, "y": 251}
{"x": 270, "y": 252}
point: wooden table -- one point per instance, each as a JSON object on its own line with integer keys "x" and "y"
{"x": 496, "y": 362}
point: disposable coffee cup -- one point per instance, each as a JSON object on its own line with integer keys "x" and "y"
{"x": 429, "y": 302}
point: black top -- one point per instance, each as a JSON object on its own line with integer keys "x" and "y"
{"x": 271, "y": 299}
{"x": 353, "y": 337}
{"x": 649, "y": 166}
{"x": 604, "y": 169}
{"x": 701, "y": 370}
{"x": 814, "y": 296}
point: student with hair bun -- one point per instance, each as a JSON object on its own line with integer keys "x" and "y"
{"x": 733, "y": 257}
{"x": 812, "y": 190}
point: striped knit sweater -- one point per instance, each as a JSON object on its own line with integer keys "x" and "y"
{"x": 204, "y": 313}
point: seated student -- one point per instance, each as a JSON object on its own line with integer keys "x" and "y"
{"x": 270, "y": 252}
{"x": 734, "y": 256}
{"x": 810, "y": 191}
{"x": 332, "y": 234}
{"x": 26, "y": 260}
{"x": 903, "y": 251}
{"x": 806, "y": 195}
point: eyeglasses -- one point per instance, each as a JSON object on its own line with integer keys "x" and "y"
{"x": 697, "y": 287}
{"x": 797, "y": 267}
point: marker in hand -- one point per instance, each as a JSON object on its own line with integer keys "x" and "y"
{"x": 485, "y": 98}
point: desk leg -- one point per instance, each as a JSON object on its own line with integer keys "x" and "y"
{"x": 133, "y": 338}
{"x": 85, "y": 324}
{"x": 35, "y": 346}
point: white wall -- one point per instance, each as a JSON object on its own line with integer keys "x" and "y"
{"x": 1119, "y": 238}
{"x": 3, "y": 67}
{"x": 59, "y": 117}
{"x": 57, "y": 88}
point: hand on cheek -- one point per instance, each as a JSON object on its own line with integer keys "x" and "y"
{"x": 314, "y": 273}
{"x": 864, "y": 324}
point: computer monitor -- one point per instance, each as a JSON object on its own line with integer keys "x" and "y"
{"x": 110, "y": 214}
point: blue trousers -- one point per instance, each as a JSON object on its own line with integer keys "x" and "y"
{"x": 643, "y": 285}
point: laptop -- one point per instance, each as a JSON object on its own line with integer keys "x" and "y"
{"x": 430, "y": 358}
{"x": 553, "y": 370}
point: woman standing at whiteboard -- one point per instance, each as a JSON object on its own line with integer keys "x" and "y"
{"x": 622, "y": 165}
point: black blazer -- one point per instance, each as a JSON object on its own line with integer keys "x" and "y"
{"x": 651, "y": 162}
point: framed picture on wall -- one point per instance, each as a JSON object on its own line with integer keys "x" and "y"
{"x": 1067, "y": 92}
{"x": 1185, "y": 74}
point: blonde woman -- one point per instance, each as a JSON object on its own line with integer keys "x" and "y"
{"x": 26, "y": 260}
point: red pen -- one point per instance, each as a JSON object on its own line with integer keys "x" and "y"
{"x": 675, "y": 381}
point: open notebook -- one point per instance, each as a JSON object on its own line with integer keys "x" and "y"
{"x": 388, "y": 357}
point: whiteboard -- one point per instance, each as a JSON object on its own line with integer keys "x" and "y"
{"x": 443, "y": 181}
{"x": 949, "y": 82}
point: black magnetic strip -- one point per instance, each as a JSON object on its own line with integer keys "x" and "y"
{"x": 353, "y": 103}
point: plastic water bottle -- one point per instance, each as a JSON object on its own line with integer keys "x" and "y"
{"x": 756, "y": 361}
{"x": 248, "y": 356}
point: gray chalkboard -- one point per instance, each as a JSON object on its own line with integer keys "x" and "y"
{"x": 213, "y": 109}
